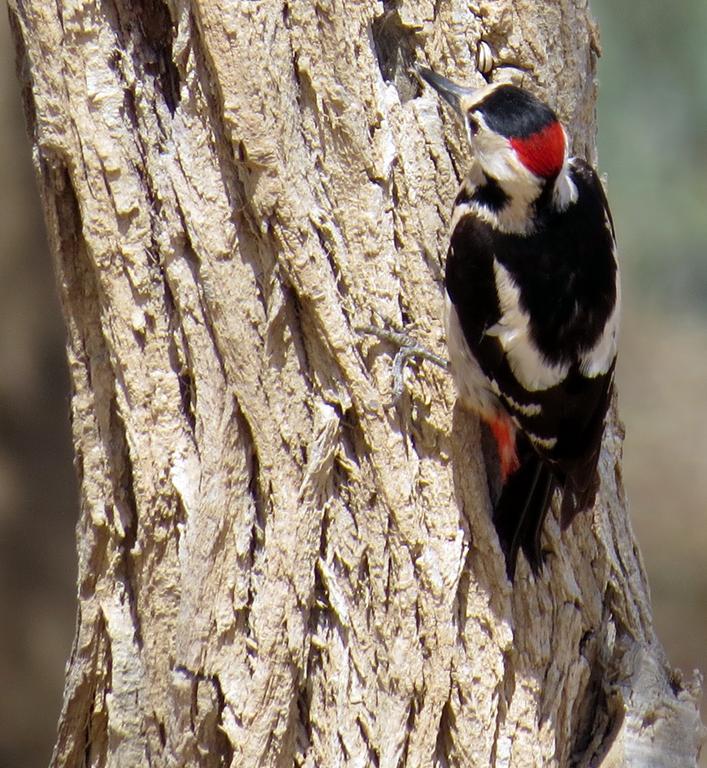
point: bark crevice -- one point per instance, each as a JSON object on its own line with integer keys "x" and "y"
{"x": 283, "y": 568}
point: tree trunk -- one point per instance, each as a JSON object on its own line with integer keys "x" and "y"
{"x": 277, "y": 566}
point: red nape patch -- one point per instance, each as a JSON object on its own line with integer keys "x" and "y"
{"x": 505, "y": 435}
{"x": 544, "y": 152}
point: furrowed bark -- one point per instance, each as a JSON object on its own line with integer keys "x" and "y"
{"x": 277, "y": 566}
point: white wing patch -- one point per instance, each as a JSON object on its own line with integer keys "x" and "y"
{"x": 599, "y": 358}
{"x": 529, "y": 366}
{"x": 531, "y": 409}
{"x": 548, "y": 443}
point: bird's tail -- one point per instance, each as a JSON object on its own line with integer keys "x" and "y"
{"x": 525, "y": 500}
{"x": 521, "y": 510}
{"x": 580, "y": 488}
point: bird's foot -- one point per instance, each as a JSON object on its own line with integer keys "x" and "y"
{"x": 408, "y": 349}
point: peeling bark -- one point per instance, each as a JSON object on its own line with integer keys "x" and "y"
{"x": 277, "y": 566}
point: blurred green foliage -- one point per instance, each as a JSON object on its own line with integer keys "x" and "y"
{"x": 653, "y": 144}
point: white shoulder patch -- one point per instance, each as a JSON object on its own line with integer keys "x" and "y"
{"x": 565, "y": 192}
{"x": 599, "y": 358}
{"x": 529, "y": 366}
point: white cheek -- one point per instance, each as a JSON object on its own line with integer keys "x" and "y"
{"x": 495, "y": 155}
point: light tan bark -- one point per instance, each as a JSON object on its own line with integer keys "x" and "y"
{"x": 278, "y": 567}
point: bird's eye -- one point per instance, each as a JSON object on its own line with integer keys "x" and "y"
{"x": 473, "y": 124}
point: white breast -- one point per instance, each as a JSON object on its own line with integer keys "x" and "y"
{"x": 475, "y": 390}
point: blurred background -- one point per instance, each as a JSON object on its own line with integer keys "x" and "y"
{"x": 38, "y": 494}
{"x": 653, "y": 150}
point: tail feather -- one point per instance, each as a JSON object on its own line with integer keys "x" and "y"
{"x": 524, "y": 502}
{"x": 521, "y": 510}
{"x": 577, "y": 498}
{"x": 580, "y": 487}
{"x": 525, "y": 497}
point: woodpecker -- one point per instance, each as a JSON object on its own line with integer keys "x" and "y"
{"x": 532, "y": 306}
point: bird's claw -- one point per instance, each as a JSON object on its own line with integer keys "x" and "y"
{"x": 408, "y": 348}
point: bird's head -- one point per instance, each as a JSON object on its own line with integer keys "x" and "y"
{"x": 512, "y": 133}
